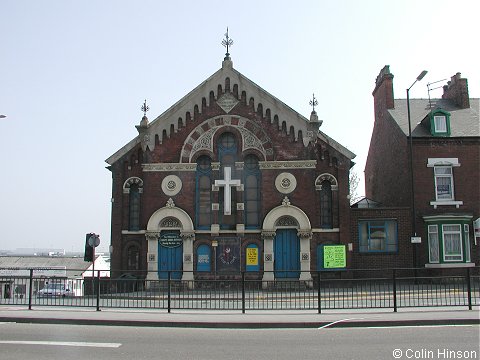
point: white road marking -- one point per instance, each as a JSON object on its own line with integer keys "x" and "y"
{"x": 62, "y": 343}
{"x": 336, "y": 322}
{"x": 401, "y": 326}
{"x": 418, "y": 326}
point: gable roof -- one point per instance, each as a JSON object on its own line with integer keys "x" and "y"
{"x": 75, "y": 266}
{"x": 463, "y": 122}
{"x": 187, "y": 104}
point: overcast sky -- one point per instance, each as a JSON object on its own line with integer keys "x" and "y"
{"x": 73, "y": 76}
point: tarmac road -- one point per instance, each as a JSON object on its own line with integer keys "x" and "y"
{"x": 52, "y": 341}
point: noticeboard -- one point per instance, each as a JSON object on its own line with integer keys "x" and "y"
{"x": 252, "y": 256}
{"x": 334, "y": 256}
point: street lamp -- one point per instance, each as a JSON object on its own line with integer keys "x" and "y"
{"x": 412, "y": 190}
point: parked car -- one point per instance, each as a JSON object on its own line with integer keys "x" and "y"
{"x": 55, "y": 290}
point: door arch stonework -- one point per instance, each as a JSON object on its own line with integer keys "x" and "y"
{"x": 170, "y": 217}
{"x": 304, "y": 232}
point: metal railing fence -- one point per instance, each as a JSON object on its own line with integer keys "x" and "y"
{"x": 352, "y": 289}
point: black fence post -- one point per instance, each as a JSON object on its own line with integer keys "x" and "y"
{"x": 169, "y": 286}
{"x": 30, "y": 290}
{"x": 98, "y": 289}
{"x": 243, "y": 292}
{"x": 469, "y": 289}
{"x": 319, "y": 296}
{"x": 394, "y": 290}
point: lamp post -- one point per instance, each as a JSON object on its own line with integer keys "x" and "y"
{"x": 412, "y": 190}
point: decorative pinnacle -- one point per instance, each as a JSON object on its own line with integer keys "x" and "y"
{"x": 313, "y": 102}
{"x": 227, "y": 42}
{"x": 145, "y": 108}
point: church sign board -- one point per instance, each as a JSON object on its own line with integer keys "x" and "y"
{"x": 170, "y": 239}
{"x": 334, "y": 256}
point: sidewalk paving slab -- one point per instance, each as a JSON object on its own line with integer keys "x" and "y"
{"x": 250, "y": 320}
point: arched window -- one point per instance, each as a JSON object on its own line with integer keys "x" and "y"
{"x": 203, "y": 192}
{"x": 203, "y": 258}
{"x": 133, "y": 258}
{"x": 227, "y": 154}
{"x": 134, "y": 208}
{"x": 252, "y": 192}
{"x": 326, "y": 214}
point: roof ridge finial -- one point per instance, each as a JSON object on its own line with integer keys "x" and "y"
{"x": 313, "y": 103}
{"x": 145, "y": 108}
{"x": 227, "y": 42}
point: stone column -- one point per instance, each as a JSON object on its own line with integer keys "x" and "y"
{"x": 188, "y": 238}
{"x": 152, "y": 255}
{"x": 305, "y": 239}
{"x": 268, "y": 256}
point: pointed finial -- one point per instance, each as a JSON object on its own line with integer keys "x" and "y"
{"x": 145, "y": 108}
{"x": 313, "y": 103}
{"x": 227, "y": 42}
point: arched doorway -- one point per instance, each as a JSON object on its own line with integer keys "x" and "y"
{"x": 286, "y": 237}
{"x": 170, "y": 239}
{"x": 170, "y": 253}
{"x": 286, "y": 254}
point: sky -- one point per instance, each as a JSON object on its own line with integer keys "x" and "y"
{"x": 74, "y": 74}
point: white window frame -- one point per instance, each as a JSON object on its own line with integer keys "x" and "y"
{"x": 433, "y": 241}
{"x": 451, "y": 232}
{"x": 447, "y": 176}
{"x": 466, "y": 231}
{"x": 440, "y": 119}
{"x": 438, "y": 162}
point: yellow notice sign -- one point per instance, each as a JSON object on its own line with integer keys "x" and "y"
{"x": 252, "y": 256}
{"x": 334, "y": 256}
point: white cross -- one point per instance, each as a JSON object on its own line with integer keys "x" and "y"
{"x": 228, "y": 183}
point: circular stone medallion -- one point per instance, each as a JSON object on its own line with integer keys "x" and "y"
{"x": 171, "y": 185}
{"x": 285, "y": 183}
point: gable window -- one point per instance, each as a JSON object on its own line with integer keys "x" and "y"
{"x": 443, "y": 183}
{"x": 203, "y": 192}
{"x": 377, "y": 236}
{"x": 440, "y": 123}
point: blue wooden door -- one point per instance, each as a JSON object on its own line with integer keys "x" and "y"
{"x": 287, "y": 254}
{"x": 170, "y": 256}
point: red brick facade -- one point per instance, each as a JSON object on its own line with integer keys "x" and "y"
{"x": 387, "y": 171}
{"x": 283, "y": 141}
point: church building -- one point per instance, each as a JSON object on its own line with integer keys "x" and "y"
{"x": 228, "y": 180}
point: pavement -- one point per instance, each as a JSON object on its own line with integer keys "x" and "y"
{"x": 249, "y": 320}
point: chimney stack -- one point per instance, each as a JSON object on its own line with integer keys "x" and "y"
{"x": 383, "y": 93}
{"x": 457, "y": 90}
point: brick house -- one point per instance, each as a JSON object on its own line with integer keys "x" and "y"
{"x": 228, "y": 179}
{"x": 446, "y": 168}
